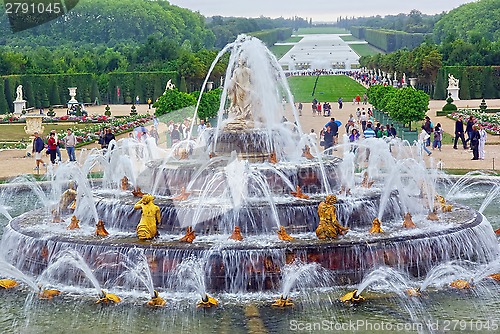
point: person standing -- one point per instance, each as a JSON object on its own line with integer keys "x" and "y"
{"x": 70, "y": 142}
{"x": 153, "y": 133}
{"x": 328, "y": 139}
{"x": 52, "y": 145}
{"x": 300, "y": 108}
{"x": 149, "y": 103}
{"x": 340, "y": 102}
{"x": 313, "y": 137}
{"x": 201, "y": 127}
{"x": 58, "y": 151}
{"x": 459, "y": 133}
{"x": 482, "y": 141}
{"x": 474, "y": 143}
{"x": 469, "y": 129}
{"x": 38, "y": 147}
{"x": 108, "y": 137}
{"x": 438, "y": 137}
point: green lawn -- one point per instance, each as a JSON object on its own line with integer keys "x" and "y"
{"x": 280, "y": 50}
{"x": 293, "y": 39}
{"x": 365, "y": 49}
{"x": 329, "y": 88}
{"x": 349, "y": 38}
{"x": 15, "y": 132}
{"x": 321, "y": 30}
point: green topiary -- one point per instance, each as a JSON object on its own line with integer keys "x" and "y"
{"x": 107, "y": 111}
{"x": 133, "y": 110}
{"x": 483, "y": 105}
{"x": 449, "y": 106}
{"x": 51, "y": 112}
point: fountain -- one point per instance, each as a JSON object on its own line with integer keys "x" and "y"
{"x": 247, "y": 218}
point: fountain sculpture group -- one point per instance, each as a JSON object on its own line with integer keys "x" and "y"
{"x": 243, "y": 215}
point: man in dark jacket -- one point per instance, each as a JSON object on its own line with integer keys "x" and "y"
{"x": 474, "y": 142}
{"x": 459, "y": 133}
{"x": 328, "y": 138}
{"x": 108, "y": 137}
{"x": 38, "y": 146}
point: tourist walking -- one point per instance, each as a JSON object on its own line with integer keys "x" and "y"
{"x": 482, "y": 141}
{"x": 153, "y": 133}
{"x": 313, "y": 137}
{"x": 422, "y": 138}
{"x": 438, "y": 137}
{"x": 38, "y": 146}
{"x": 70, "y": 142}
{"x": 300, "y": 108}
{"x": 459, "y": 133}
{"x": 340, "y": 102}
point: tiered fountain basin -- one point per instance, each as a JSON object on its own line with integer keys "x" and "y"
{"x": 254, "y": 263}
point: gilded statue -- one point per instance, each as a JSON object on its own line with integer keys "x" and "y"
{"x": 184, "y": 195}
{"x": 107, "y": 298}
{"x": 156, "y": 300}
{"x": 236, "y": 235}
{"x": 48, "y": 293}
{"x": 306, "y": 152}
{"x": 298, "y": 193}
{"x": 408, "y": 221}
{"x": 432, "y": 215}
{"x": 462, "y": 284}
{"x": 137, "y": 192}
{"x": 73, "y": 225}
{"x": 8, "y": 283}
{"x": 376, "y": 227}
{"x": 352, "y": 297}
{"x": 189, "y": 236}
{"x": 282, "y": 301}
{"x": 207, "y": 302}
{"x": 366, "y": 183}
{"x": 329, "y": 227}
{"x": 282, "y": 235}
{"x": 100, "y": 230}
{"x": 124, "y": 183}
{"x": 413, "y": 292}
{"x": 150, "y": 218}
{"x": 442, "y": 202}
{"x": 67, "y": 202}
{"x": 273, "y": 159}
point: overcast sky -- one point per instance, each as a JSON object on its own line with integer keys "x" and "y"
{"x": 318, "y": 10}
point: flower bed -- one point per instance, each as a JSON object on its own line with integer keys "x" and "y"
{"x": 90, "y": 133}
{"x": 489, "y": 121}
{"x": 11, "y": 118}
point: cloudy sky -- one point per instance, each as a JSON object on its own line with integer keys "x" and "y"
{"x": 318, "y": 10}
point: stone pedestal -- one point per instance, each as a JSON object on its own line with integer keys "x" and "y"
{"x": 33, "y": 124}
{"x": 19, "y": 105}
{"x": 413, "y": 82}
{"x": 453, "y": 92}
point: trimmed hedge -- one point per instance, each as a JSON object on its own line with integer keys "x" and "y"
{"x": 44, "y": 90}
{"x": 388, "y": 40}
{"x": 271, "y": 36}
{"x": 476, "y": 82}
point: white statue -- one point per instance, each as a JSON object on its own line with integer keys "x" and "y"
{"x": 239, "y": 91}
{"x": 452, "y": 81}
{"x": 169, "y": 85}
{"x": 19, "y": 92}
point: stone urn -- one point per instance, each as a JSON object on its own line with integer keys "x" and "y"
{"x": 33, "y": 124}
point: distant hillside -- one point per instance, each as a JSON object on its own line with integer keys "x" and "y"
{"x": 112, "y": 22}
{"x": 470, "y": 22}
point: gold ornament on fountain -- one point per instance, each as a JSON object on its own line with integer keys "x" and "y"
{"x": 150, "y": 218}
{"x": 156, "y": 300}
{"x": 8, "y": 283}
{"x": 184, "y": 195}
{"x": 408, "y": 221}
{"x": 495, "y": 276}
{"x": 189, "y": 236}
{"x": 376, "y": 227}
{"x": 298, "y": 193}
{"x": 497, "y": 232}
{"x": 137, "y": 192}
{"x": 48, "y": 293}
{"x": 329, "y": 227}
{"x": 100, "y": 230}
{"x": 352, "y": 297}
{"x": 413, "y": 292}
{"x": 73, "y": 225}
{"x": 306, "y": 152}
{"x": 124, "y": 183}
{"x": 107, "y": 298}
{"x": 432, "y": 215}
{"x": 67, "y": 202}
{"x": 282, "y": 235}
{"x": 273, "y": 159}
{"x": 283, "y": 302}
{"x": 462, "y": 284}
{"x": 236, "y": 235}
{"x": 56, "y": 216}
{"x": 366, "y": 183}
{"x": 442, "y": 202}
{"x": 344, "y": 190}
{"x": 207, "y": 302}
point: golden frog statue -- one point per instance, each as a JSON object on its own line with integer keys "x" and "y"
{"x": 273, "y": 158}
{"x": 408, "y": 221}
{"x": 107, "y": 298}
{"x": 207, "y": 302}
{"x": 124, "y": 183}
{"x": 282, "y": 302}
{"x": 352, "y": 297}
{"x": 298, "y": 193}
{"x": 442, "y": 202}
{"x": 100, "y": 230}
{"x": 461, "y": 284}
{"x": 413, "y": 292}
{"x": 376, "y": 227}
{"x": 150, "y": 218}
{"x": 306, "y": 153}
{"x": 156, "y": 301}
{"x": 329, "y": 227}
{"x": 432, "y": 215}
{"x": 73, "y": 225}
{"x": 189, "y": 236}
{"x": 282, "y": 235}
{"x": 48, "y": 293}
{"x": 8, "y": 283}
{"x": 236, "y": 235}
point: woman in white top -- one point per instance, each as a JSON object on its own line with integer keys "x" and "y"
{"x": 482, "y": 141}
